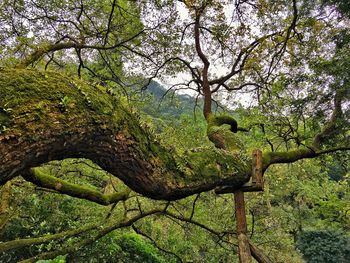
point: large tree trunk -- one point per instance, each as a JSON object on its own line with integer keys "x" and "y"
{"x": 47, "y": 116}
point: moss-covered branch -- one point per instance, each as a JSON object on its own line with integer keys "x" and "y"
{"x": 221, "y": 129}
{"x": 40, "y": 178}
{"x": 270, "y": 158}
{"x": 19, "y": 243}
{"x": 44, "y": 49}
{"x": 48, "y": 116}
{"x": 316, "y": 148}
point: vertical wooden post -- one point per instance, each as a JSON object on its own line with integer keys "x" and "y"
{"x": 243, "y": 242}
{"x": 257, "y": 175}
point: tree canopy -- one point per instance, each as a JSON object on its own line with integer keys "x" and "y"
{"x": 268, "y": 75}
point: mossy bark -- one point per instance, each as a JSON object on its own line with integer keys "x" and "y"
{"x": 47, "y": 116}
{"x": 40, "y": 178}
{"x": 19, "y": 243}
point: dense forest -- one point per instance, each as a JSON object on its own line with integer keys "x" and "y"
{"x": 175, "y": 131}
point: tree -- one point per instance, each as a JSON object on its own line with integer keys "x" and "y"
{"x": 255, "y": 65}
{"x": 77, "y": 120}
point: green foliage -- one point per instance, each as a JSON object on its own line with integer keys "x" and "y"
{"x": 40, "y": 213}
{"x": 297, "y": 197}
{"x": 43, "y": 213}
{"x": 324, "y": 246}
{"x": 191, "y": 242}
{"x": 119, "y": 247}
{"x": 59, "y": 259}
{"x": 96, "y": 23}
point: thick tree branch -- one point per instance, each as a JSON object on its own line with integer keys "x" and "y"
{"x": 96, "y": 126}
{"x": 40, "y": 178}
{"x": 240, "y": 87}
{"x": 295, "y": 155}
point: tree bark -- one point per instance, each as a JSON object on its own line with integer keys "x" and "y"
{"x": 241, "y": 222}
{"x": 206, "y": 64}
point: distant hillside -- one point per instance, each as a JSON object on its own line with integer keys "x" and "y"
{"x": 161, "y": 103}
{"x": 158, "y": 91}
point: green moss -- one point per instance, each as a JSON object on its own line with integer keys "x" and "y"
{"x": 222, "y": 132}
{"x": 36, "y": 99}
{"x": 286, "y": 157}
{"x": 5, "y": 118}
{"x": 210, "y": 163}
{"x": 4, "y": 121}
{"x": 266, "y": 160}
{"x": 219, "y": 120}
{"x": 34, "y": 95}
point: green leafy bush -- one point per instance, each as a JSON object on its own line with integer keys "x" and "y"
{"x": 125, "y": 247}
{"x": 324, "y": 247}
